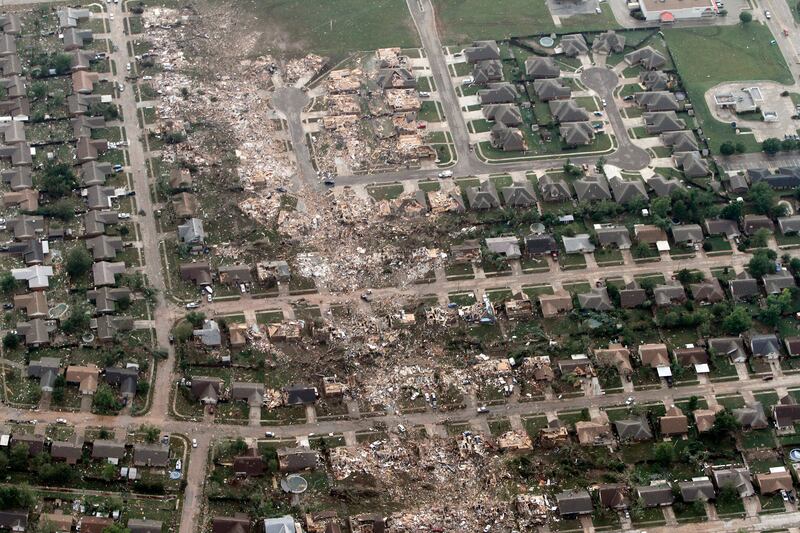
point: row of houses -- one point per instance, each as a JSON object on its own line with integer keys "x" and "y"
{"x": 702, "y": 488}
{"x": 202, "y": 274}
{"x": 18, "y": 521}
{"x": 86, "y": 377}
{"x": 211, "y": 390}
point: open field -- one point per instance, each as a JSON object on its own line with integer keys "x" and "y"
{"x": 333, "y": 28}
{"x": 462, "y": 21}
{"x": 755, "y": 59}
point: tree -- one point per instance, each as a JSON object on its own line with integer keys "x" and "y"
{"x": 693, "y": 404}
{"x": 732, "y": 211}
{"x": 738, "y": 321}
{"x": 150, "y": 433}
{"x": 11, "y": 341}
{"x": 58, "y": 180}
{"x": 17, "y": 497}
{"x": 761, "y": 263}
{"x": 771, "y": 146}
{"x": 7, "y": 283}
{"x": 18, "y": 457}
{"x": 724, "y": 424}
{"x": 664, "y": 453}
{"x": 740, "y": 147}
{"x": 77, "y": 322}
{"x": 78, "y": 262}
{"x": 745, "y": 17}
{"x": 727, "y": 148}
{"x": 686, "y": 276}
{"x": 196, "y": 318}
{"x": 109, "y": 472}
{"x": 62, "y": 63}
{"x": 760, "y": 238}
{"x": 183, "y": 331}
{"x": 105, "y": 401}
{"x": 37, "y": 90}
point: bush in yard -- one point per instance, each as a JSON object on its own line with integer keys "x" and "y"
{"x": 745, "y": 17}
{"x": 11, "y": 341}
{"x": 771, "y": 146}
{"x": 727, "y": 148}
{"x": 78, "y": 262}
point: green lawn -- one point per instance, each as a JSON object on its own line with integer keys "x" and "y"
{"x": 462, "y": 21}
{"x": 756, "y": 59}
{"x": 333, "y": 27}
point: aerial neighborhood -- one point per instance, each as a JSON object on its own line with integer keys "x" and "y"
{"x": 285, "y": 267}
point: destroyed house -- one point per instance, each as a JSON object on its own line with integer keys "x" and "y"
{"x": 296, "y": 459}
{"x": 541, "y": 67}
{"x": 180, "y": 178}
{"x": 151, "y": 455}
{"x": 185, "y": 205}
{"x": 10, "y": 23}
{"x": 46, "y": 369}
{"x": 191, "y": 232}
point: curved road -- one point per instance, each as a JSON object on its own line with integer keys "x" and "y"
{"x": 628, "y": 156}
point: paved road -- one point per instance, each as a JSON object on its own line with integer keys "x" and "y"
{"x": 290, "y": 102}
{"x": 137, "y": 167}
{"x": 628, "y": 156}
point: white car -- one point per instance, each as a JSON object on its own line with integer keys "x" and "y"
{"x": 123, "y": 216}
{"x": 178, "y": 465}
{"x": 446, "y": 174}
{"x": 768, "y": 14}
{"x": 192, "y": 305}
{"x": 128, "y": 67}
{"x": 61, "y": 421}
{"x": 269, "y": 434}
{"x": 194, "y": 443}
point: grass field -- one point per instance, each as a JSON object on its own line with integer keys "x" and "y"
{"x": 462, "y": 21}
{"x": 756, "y": 59}
{"x": 334, "y": 27}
